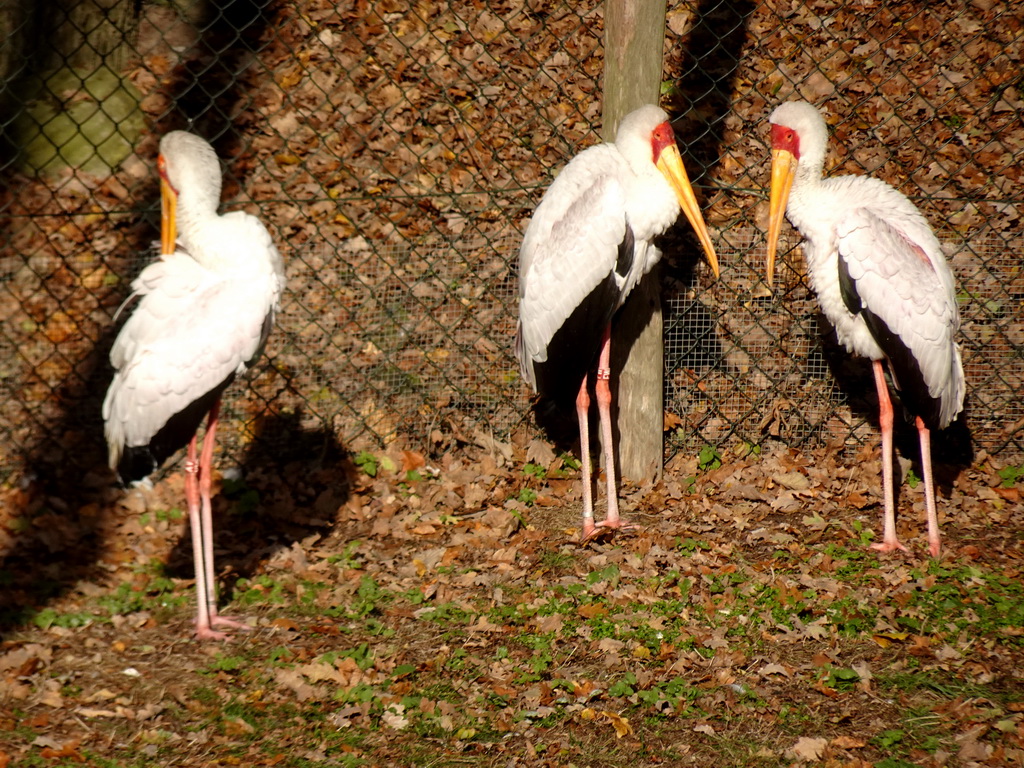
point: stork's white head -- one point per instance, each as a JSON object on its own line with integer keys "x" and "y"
{"x": 799, "y": 137}
{"x": 799, "y": 128}
{"x": 636, "y": 135}
{"x": 190, "y": 165}
{"x": 646, "y": 140}
{"x": 190, "y": 184}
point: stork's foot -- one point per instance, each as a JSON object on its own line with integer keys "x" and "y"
{"x": 206, "y": 632}
{"x": 226, "y": 622}
{"x": 889, "y": 546}
{"x": 593, "y": 531}
{"x": 934, "y": 548}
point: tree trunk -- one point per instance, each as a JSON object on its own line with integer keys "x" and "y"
{"x": 72, "y": 105}
{"x": 15, "y": 34}
{"x": 85, "y": 35}
{"x": 634, "y": 46}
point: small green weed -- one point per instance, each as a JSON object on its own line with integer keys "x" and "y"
{"x": 48, "y": 617}
{"x": 842, "y": 679}
{"x": 129, "y": 598}
{"x": 261, "y": 589}
{"x": 527, "y": 496}
{"x": 609, "y": 573}
{"x": 280, "y": 654}
{"x": 556, "y": 559}
{"x": 222, "y": 663}
{"x": 368, "y": 596}
{"x": 851, "y": 616}
{"x": 346, "y": 559}
{"x": 245, "y": 499}
{"x": 1011, "y": 475}
{"x": 367, "y": 462}
{"x": 709, "y": 458}
{"x": 624, "y": 686}
{"x": 691, "y": 545}
{"x": 534, "y": 470}
{"x": 447, "y": 613}
{"x": 746, "y": 448}
{"x": 361, "y": 693}
{"x": 162, "y": 515}
{"x": 362, "y": 655}
{"x": 457, "y": 660}
{"x": 570, "y": 462}
{"x": 889, "y": 739}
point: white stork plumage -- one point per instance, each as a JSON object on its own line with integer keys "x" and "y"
{"x": 589, "y": 242}
{"x": 881, "y": 280}
{"x": 203, "y": 313}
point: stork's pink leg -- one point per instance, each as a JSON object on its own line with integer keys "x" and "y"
{"x": 604, "y": 409}
{"x": 583, "y": 415}
{"x": 192, "y": 498}
{"x": 205, "y": 471}
{"x": 885, "y": 418}
{"x": 929, "y": 487}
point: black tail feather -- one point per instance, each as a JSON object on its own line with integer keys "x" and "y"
{"x": 139, "y": 461}
{"x": 559, "y": 422}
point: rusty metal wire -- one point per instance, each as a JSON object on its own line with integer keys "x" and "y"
{"x": 395, "y": 152}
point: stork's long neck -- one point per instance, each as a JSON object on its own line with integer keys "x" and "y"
{"x": 810, "y": 168}
{"x": 197, "y": 210}
{"x": 808, "y": 180}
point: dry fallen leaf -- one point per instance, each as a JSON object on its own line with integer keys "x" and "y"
{"x": 848, "y": 742}
{"x": 886, "y": 639}
{"x": 394, "y": 717}
{"x": 319, "y": 671}
{"x": 294, "y": 681}
{"x": 809, "y": 749}
{"x": 774, "y": 669}
{"x": 540, "y": 452}
{"x": 619, "y": 723}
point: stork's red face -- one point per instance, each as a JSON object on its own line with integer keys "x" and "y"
{"x": 663, "y": 136}
{"x": 787, "y": 139}
{"x": 785, "y": 158}
{"x": 168, "y": 208}
{"x": 668, "y": 160}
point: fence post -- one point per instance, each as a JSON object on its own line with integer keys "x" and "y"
{"x": 633, "y": 49}
{"x": 79, "y": 109}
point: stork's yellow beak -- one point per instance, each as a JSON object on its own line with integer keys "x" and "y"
{"x": 783, "y": 172}
{"x": 670, "y": 163}
{"x": 168, "y": 212}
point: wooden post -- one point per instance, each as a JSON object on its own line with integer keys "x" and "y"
{"x": 74, "y": 85}
{"x": 88, "y": 34}
{"x": 634, "y": 42}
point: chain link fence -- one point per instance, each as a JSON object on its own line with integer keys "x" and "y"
{"x": 395, "y": 151}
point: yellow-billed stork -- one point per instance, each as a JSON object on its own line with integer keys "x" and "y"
{"x": 587, "y": 245}
{"x": 881, "y": 280}
{"x": 203, "y": 312}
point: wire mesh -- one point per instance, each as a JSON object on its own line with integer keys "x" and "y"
{"x": 395, "y": 152}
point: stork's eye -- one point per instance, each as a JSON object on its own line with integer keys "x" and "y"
{"x": 661, "y": 137}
